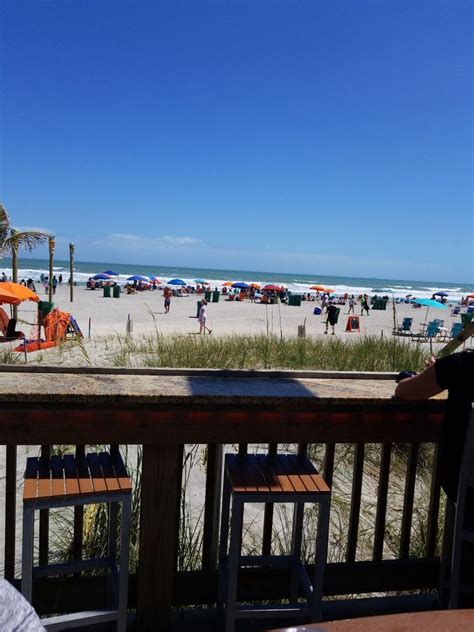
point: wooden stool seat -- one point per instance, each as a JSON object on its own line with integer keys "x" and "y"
{"x": 281, "y": 473}
{"x": 75, "y": 481}
{"x": 267, "y": 479}
{"x": 62, "y": 477}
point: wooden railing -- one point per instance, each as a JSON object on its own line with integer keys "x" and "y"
{"x": 164, "y": 411}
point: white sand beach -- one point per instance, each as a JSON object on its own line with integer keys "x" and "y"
{"x": 108, "y": 318}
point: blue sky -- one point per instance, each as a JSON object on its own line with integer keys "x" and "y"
{"x": 314, "y": 137}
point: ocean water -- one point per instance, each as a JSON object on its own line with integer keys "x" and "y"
{"x": 296, "y": 282}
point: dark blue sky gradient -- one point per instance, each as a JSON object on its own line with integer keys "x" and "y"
{"x": 330, "y": 137}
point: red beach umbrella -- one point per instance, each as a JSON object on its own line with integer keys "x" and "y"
{"x": 272, "y": 288}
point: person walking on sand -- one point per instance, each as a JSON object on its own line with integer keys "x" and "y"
{"x": 351, "y": 305}
{"x": 167, "y": 295}
{"x": 364, "y": 304}
{"x": 332, "y": 317}
{"x": 203, "y": 318}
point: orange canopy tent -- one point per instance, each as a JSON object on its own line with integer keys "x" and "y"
{"x": 14, "y": 293}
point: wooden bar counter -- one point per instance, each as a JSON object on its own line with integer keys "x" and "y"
{"x": 165, "y": 409}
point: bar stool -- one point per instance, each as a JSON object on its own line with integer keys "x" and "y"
{"x": 281, "y": 478}
{"x": 64, "y": 481}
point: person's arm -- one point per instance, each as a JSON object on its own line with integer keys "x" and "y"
{"x": 421, "y": 386}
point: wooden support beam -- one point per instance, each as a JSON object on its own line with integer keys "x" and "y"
{"x": 158, "y": 536}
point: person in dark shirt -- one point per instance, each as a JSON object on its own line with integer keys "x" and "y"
{"x": 331, "y": 318}
{"x": 456, "y": 374}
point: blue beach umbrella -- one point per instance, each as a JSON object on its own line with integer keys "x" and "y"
{"x": 111, "y": 273}
{"x": 102, "y": 276}
{"x": 201, "y": 281}
{"x": 176, "y": 282}
{"x": 440, "y": 294}
{"x": 138, "y": 277}
{"x": 429, "y": 302}
{"x": 241, "y": 285}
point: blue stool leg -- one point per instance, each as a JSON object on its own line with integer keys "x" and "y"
{"x": 296, "y": 540}
{"x": 223, "y": 543}
{"x": 112, "y": 554}
{"x": 124, "y": 562}
{"x": 320, "y": 556}
{"x": 234, "y": 555}
{"x": 27, "y": 553}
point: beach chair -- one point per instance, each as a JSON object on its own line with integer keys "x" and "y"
{"x": 456, "y": 330}
{"x": 431, "y": 331}
{"x": 456, "y": 311}
{"x": 405, "y": 327}
{"x": 73, "y": 328}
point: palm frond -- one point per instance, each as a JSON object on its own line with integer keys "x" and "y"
{"x": 28, "y": 239}
{"x": 4, "y": 225}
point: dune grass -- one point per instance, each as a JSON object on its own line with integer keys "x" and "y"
{"x": 367, "y": 353}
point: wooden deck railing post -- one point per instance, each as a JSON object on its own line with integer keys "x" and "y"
{"x": 212, "y": 506}
{"x": 382, "y": 493}
{"x": 355, "y": 502}
{"x": 408, "y": 501}
{"x": 162, "y": 465}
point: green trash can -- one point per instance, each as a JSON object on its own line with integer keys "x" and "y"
{"x": 44, "y": 307}
{"x": 215, "y": 296}
{"x": 199, "y": 303}
{"x": 116, "y": 291}
{"x": 294, "y": 299}
{"x": 379, "y": 304}
{"x": 207, "y": 295}
{"x": 106, "y": 291}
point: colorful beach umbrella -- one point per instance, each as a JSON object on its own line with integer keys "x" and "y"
{"x": 152, "y": 277}
{"x": 138, "y": 277}
{"x": 429, "y": 302}
{"x": 176, "y": 282}
{"x": 111, "y": 273}
{"x": 241, "y": 285}
{"x": 102, "y": 276}
{"x": 257, "y": 286}
{"x": 227, "y": 284}
{"x": 272, "y": 288}
{"x": 440, "y": 294}
{"x": 322, "y": 288}
{"x": 14, "y": 293}
{"x": 203, "y": 281}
